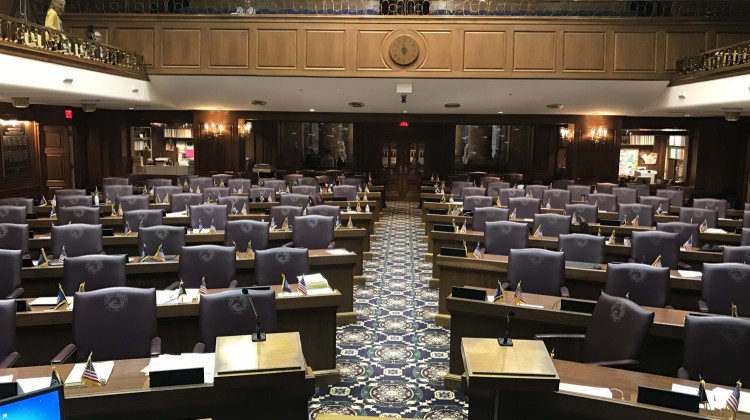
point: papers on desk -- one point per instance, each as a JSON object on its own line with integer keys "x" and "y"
{"x": 49, "y": 301}
{"x": 314, "y": 281}
{"x": 586, "y": 390}
{"x": 177, "y": 214}
{"x": 337, "y": 252}
{"x": 165, "y": 362}
{"x": 170, "y": 296}
{"x": 325, "y": 291}
{"x": 103, "y": 371}
{"x": 6, "y": 379}
{"x": 690, "y": 274}
{"x": 715, "y": 230}
{"x": 194, "y": 231}
{"x": 33, "y": 384}
{"x": 717, "y": 397}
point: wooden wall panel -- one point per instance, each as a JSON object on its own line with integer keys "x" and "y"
{"x": 584, "y": 51}
{"x": 229, "y": 48}
{"x": 635, "y": 51}
{"x": 438, "y": 51}
{"x": 681, "y": 45}
{"x": 57, "y": 159}
{"x": 369, "y": 48}
{"x": 140, "y": 40}
{"x": 484, "y": 51}
{"x": 728, "y": 38}
{"x": 325, "y": 49}
{"x": 181, "y": 47}
{"x": 277, "y": 49}
{"x": 534, "y": 51}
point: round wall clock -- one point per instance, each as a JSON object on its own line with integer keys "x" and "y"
{"x": 404, "y": 50}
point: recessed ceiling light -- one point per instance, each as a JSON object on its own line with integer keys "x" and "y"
{"x": 356, "y": 104}
{"x": 452, "y": 105}
{"x": 499, "y": 112}
{"x": 258, "y": 102}
{"x": 405, "y": 111}
{"x": 312, "y": 109}
{"x": 131, "y": 108}
{"x": 687, "y": 115}
{"x": 555, "y": 106}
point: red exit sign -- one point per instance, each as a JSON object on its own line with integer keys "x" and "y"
{"x": 403, "y": 124}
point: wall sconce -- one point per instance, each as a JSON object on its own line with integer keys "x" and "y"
{"x": 213, "y": 130}
{"x": 566, "y": 135}
{"x": 598, "y": 135}
{"x": 245, "y": 130}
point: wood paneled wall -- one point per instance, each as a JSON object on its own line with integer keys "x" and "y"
{"x": 465, "y": 47}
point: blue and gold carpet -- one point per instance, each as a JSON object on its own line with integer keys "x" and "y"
{"x": 394, "y": 358}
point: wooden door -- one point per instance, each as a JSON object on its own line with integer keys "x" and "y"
{"x": 58, "y": 165}
{"x": 402, "y": 166}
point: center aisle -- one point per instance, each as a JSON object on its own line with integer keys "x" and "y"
{"x": 393, "y": 359}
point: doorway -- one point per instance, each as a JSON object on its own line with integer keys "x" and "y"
{"x": 402, "y": 167}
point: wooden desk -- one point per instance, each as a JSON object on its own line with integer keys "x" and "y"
{"x": 127, "y": 394}
{"x": 41, "y": 333}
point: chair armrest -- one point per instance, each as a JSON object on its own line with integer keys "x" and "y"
{"x": 683, "y": 373}
{"x": 9, "y": 360}
{"x": 172, "y": 286}
{"x": 669, "y": 307}
{"x": 64, "y": 354}
{"x": 289, "y": 244}
{"x": 233, "y": 284}
{"x": 332, "y": 245}
{"x": 16, "y": 293}
{"x": 484, "y": 250}
{"x": 155, "y": 346}
{"x": 559, "y": 336}
{"x": 199, "y": 347}
{"x": 617, "y": 363}
{"x": 703, "y": 306}
{"x": 505, "y": 286}
{"x": 564, "y": 292}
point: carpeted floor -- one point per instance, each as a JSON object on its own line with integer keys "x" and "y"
{"x": 393, "y": 359}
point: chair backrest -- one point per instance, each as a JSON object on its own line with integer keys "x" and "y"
{"x": 291, "y": 179}
{"x": 310, "y": 181}
{"x": 13, "y": 214}
{"x": 208, "y": 214}
{"x": 540, "y": 271}
{"x": 281, "y": 213}
{"x": 75, "y": 201}
{"x": 237, "y": 184}
{"x": 323, "y": 179}
{"x": 683, "y": 230}
{"x": 508, "y": 193}
{"x": 644, "y": 190}
{"x": 643, "y": 284}
{"x": 348, "y": 191}
{"x": 712, "y": 203}
{"x": 493, "y": 188}
{"x": 500, "y": 237}
{"x": 220, "y": 179}
{"x": 171, "y": 239}
{"x": 86, "y": 215}
{"x": 182, "y": 201}
{"x": 561, "y": 184}
{"x": 586, "y": 212}
{"x": 132, "y": 202}
{"x": 745, "y": 219}
{"x": 158, "y": 182}
{"x": 270, "y": 264}
{"x": 275, "y": 184}
{"x": 737, "y": 254}
{"x": 313, "y": 231}
{"x": 305, "y": 189}
{"x": 605, "y": 187}
{"x": 351, "y": 181}
{"x": 660, "y": 204}
{"x": 697, "y": 216}
{"x": 7, "y": 327}
{"x": 114, "y": 323}
{"x": 14, "y": 236}
{"x": 212, "y": 194}
{"x": 487, "y": 180}
{"x": 724, "y": 284}
{"x": 27, "y": 203}
{"x": 676, "y": 197}
{"x": 745, "y": 237}
{"x": 116, "y": 190}
{"x": 214, "y": 262}
{"x": 525, "y": 208}
{"x": 115, "y": 181}
{"x": 230, "y": 313}
{"x": 458, "y": 186}
{"x": 69, "y": 191}
{"x": 552, "y": 224}
{"x": 324, "y": 210}
{"x": 202, "y": 181}
{"x": 472, "y": 191}
{"x": 472, "y": 202}
{"x": 10, "y": 264}
{"x": 236, "y": 201}
{"x": 142, "y": 218}
{"x": 625, "y": 195}
{"x": 242, "y": 232}
{"x": 97, "y": 271}
{"x": 298, "y": 200}
{"x": 643, "y": 212}
{"x": 716, "y": 348}
{"x": 557, "y": 199}
{"x": 182, "y": 180}
{"x": 161, "y": 192}
{"x": 582, "y": 247}
{"x": 78, "y": 239}
{"x": 482, "y": 215}
{"x": 646, "y": 247}
{"x": 618, "y": 330}
{"x": 536, "y": 191}
{"x": 605, "y": 202}
{"x": 579, "y": 192}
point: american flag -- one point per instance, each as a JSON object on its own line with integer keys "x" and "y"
{"x": 454, "y": 212}
{"x": 688, "y": 244}
{"x": 549, "y": 204}
{"x": 89, "y": 376}
{"x": 512, "y": 215}
{"x": 498, "y": 292}
{"x": 635, "y": 221}
{"x": 160, "y": 254}
{"x": 249, "y": 253}
{"x": 478, "y": 252}
{"x": 612, "y": 238}
{"x": 301, "y": 286}
{"x": 285, "y": 225}
{"x": 574, "y": 219}
{"x": 518, "y": 296}
{"x": 63, "y": 254}
{"x": 658, "y": 209}
{"x": 203, "y": 290}
{"x": 119, "y": 210}
{"x": 733, "y": 402}
{"x": 657, "y": 262}
{"x": 463, "y": 227}
{"x": 538, "y": 232}
{"x": 704, "y": 226}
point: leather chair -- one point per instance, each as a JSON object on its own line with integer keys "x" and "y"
{"x": 552, "y": 224}
{"x": 323, "y": 179}
{"x": 643, "y": 212}
{"x": 10, "y": 264}
{"x": 676, "y": 197}
{"x": 724, "y": 284}
{"x": 313, "y": 232}
{"x": 747, "y": 206}
{"x": 579, "y": 192}
{"x": 715, "y": 348}
{"x": 256, "y": 192}
{"x": 291, "y": 179}
{"x": 476, "y": 177}
{"x": 305, "y": 189}
{"x": 158, "y": 182}
{"x": 114, "y": 181}
{"x": 237, "y": 184}
{"x": 525, "y": 208}
{"x": 506, "y": 194}
{"x": 280, "y": 213}
{"x": 132, "y": 202}
{"x": 15, "y": 236}
{"x": 27, "y": 203}
{"x": 270, "y": 264}
{"x": 712, "y": 203}
{"x": 229, "y": 313}
{"x": 8, "y": 353}
{"x": 241, "y": 232}
{"x": 493, "y": 188}
{"x": 309, "y": 181}
{"x": 605, "y": 202}
{"x": 275, "y": 184}
{"x": 645, "y": 285}
{"x": 472, "y": 191}
{"x": 202, "y": 181}
{"x": 208, "y": 214}
{"x": 78, "y": 239}
{"x": 347, "y": 191}
{"x": 514, "y": 179}
{"x": 644, "y": 190}
{"x": 183, "y": 180}
{"x": 482, "y": 215}
{"x": 212, "y": 194}
{"x": 536, "y": 191}
{"x": 136, "y": 179}
{"x": 214, "y": 262}
{"x": 162, "y": 191}
{"x": 75, "y": 201}
{"x": 236, "y": 201}
{"x": 145, "y": 218}
{"x": 353, "y": 181}
{"x": 582, "y": 247}
{"x": 737, "y": 254}
{"x": 540, "y": 271}
{"x": 487, "y": 180}
{"x": 697, "y": 216}
{"x": 557, "y": 199}
{"x": 171, "y": 239}
{"x": 458, "y": 186}
{"x": 683, "y": 230}
{"x": 647, "y": 246}
{"x": 605, "y": 187}
{"x": 182, "y": 201}
{"x": 615, "y": 336}
{"x": 69, "y": 191}
{"x": 656, "y": 202}
{"x": 625, "y": 195}
{"x": 298, "y": 200}
{"x": 219, "y": 179}
{"x": 745, "y": 237}
{"x": 587, "y": 212}
{"x": 323, "y": 210}
{"x": 86, "y": 215}
{"x": 113, "y": 324}
{"x": 97, "y": 271}
{"x": 13, "y": 214}
{"x": 473, "y": 202}
{"x": 111, "y": 192}
{"x": 561, "y": 184}
{"x": 501, "y": 237}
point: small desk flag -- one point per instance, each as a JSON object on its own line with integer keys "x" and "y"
{"x": 285, "y": 285}
{"x": 518, "y": 296}
{"x": 106, "y": 199}
{"x": 463, "y": 227}
{"x": 55, "y": 379}
{"x": 54, "y": 201}
{"x": 350, "y": 224}
{"x": 338, "y": 223}
{"x": 272, "y": 226}
{"x": 657, "y": 261}
{"x": 538, "y": 232}
{"x": 89, "y": 376}
{"x": 203, "y": 290}
{"x": 181, "y": 291}
{"x": 688, "y": 244}
{"x": 144, "y": 255}
{"x": 52, "y": 212}
{"x": 212, "y": 228}
{"x": 43, "y": 202}
{"x": 128, "y": 231}
{"x": 704, "y": 226}
{"x": 574, "y": 220}
{"x": 160, "y": 254}
{"x": 478, "y": 252}
{"x": 512, "y": 215}
{"x": 82, "y": 287}
{"x": 611, "y": 240}
{"x": 635, "y": 221}
{"x": 234, "y": 209}
{"x": 200, "y": 224}
{"x": 301, "y": 286}
{"x": 249, "y": 253}
{"x": 43, "y": 260}
{"x": 63, "y": 254}
{"x": 498, "y": 292}
{"x": 244, "y": 209}
{"x": 285, "y": 225}
{"x": 96, "y": 199}
{"x": 733, "y": 402}
{"x": 166, "y": 199}
{"x": 61, "y": 300}
{"x": 348, "y": 207}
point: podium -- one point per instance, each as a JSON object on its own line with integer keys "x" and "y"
{"x": 504, "y": 382}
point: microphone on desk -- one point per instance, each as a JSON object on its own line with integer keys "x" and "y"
{"x": 506, "y": 341}
{"x": 258, "y": 336}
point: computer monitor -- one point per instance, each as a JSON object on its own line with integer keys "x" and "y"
{"x": 46, "y": 403}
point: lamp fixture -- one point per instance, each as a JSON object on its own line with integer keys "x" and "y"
{"x": 245, "y": 130}
{"x": 566, "y": 134}
{"x": 213, "y": 130}
{"x": 598, "y": 135}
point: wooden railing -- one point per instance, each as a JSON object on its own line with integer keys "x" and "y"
{"x": 719, "y": 62}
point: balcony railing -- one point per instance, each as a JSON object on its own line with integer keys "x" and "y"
{"x": 735, "y": 57}
{"x": 30, "y": 35}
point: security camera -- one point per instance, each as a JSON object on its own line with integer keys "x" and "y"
{"x": 732, "y": 116}
{"x": 403, "y": 99}
{"x": 88, "y": 107}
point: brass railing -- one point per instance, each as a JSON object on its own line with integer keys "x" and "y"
{"x": 30, "y": 35}
{"x": 715, "y": 60}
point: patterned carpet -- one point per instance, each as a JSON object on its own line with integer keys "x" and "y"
{"x": 393, "y": 359}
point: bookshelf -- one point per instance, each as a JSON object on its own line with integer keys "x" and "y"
{"x": 140, "y": 138}
{"x": 179, "y": 141}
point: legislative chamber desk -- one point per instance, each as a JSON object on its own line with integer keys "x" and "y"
{"x": 263, "y": 394}
{"x": 42, "y": 332}
{"x": 337, "y": 269}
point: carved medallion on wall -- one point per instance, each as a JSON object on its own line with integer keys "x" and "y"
{"x": 404, "y": 50}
